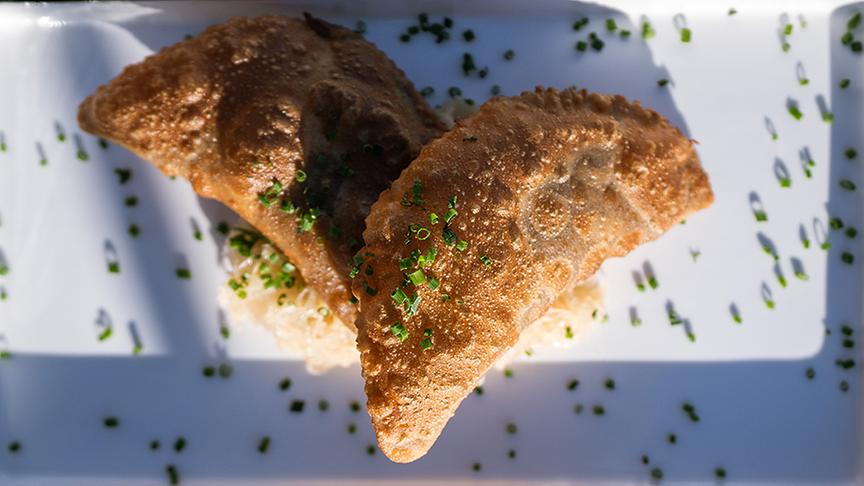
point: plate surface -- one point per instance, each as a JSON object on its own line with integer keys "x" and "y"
{"x": 730, "y": 89}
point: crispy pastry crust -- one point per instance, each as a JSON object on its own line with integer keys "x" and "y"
{"x": 548, "y": 184}
{"x": 253, "y": 101}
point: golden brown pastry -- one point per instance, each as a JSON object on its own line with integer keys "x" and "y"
{"x": 483, "y": 231}
{"x": 296, "y": 124}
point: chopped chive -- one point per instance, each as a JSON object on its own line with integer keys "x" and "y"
{"x": 624, "y": 34}
{"x": 787, "y": 29}
{"x": 595, "y": 42}
{"x": 572, "y": 385}
{"x": 578, "y": 409}
{"x": 844, "y": 83}
{"x": 509, "y": 54}
{"x": 264, "y": 444}
{"x": 179, "y": 444}
{"x": 399, "y": 296}
{"x": 810, "y": 373}
{"x": 453, "y": 91}
{"x": 598, "y": 410}
{"x": 577, "y": 25}
{"x": 854, "y": 21}
{"x": 511, "y": 428}
{"x": 478, "y": 390}
{"x": 486, "y": 260}
{"x": 672, "y": 438}
{"x": 110, "y": 422}
{"x": 131, "y": 201}
{"x": 761, "y": 216}
{"x": 225, "y": 370}
{"x": 285, "y": 384}
{"x": 686, "y": 35}
{"x": 851, "y": 232}
{"x": 568, "y": 332}
{"x": 352, "y": 428}
{"x": 611, "y": 25}
{"x": 508, "y": 372}
{"x": 323, "y": 405}
{"x": 795, "y": 112}
{"x": 354, "y": 406}
{"x": 123, "y": 175}
{"x": 426, "y": 343}
{"x": 183, "y": 273}
{"x": 113, "y": 267}
{"x": 844, "y": 386}
{"x": 133, "y": 230}
{"x": 647, "y": 30}
{"x": 847, "y": 258}
{"x": 581, "y": 46}
{"x": 468, "y": 35}
{"x": 398, "y": 330}
{"x": 662, "y": 82}
{"x": 106, "y": 333}
{"x": 173, "y": 475}
{"x": 850, "y": 153}
{"x": 208, "y": 371}
{"x": 297, "y": 406}
{"x": 427, "y": 91}
{"x": 645, "y": 459}
{"x": 609, "y": 384}
{"x": 847, "y": 184}
{"x": 155, "y": 445}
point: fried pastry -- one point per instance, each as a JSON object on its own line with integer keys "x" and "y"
{"x": 488, "y": 226}
{"x": 295, "y": 124}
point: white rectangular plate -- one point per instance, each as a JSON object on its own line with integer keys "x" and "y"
{"x": 761, "y": 418}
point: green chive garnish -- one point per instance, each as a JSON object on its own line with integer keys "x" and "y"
{"x": 173, "y": 475}
{"x": 647, "y": 30}
{"x": 264, "y": 444}
{"x": 686, "y": 35}
{"x": 297, "y": 406}
{"x": 398, "y": 330}
{"x": 285, "y": 384}
{"x": 795, "y": 112}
